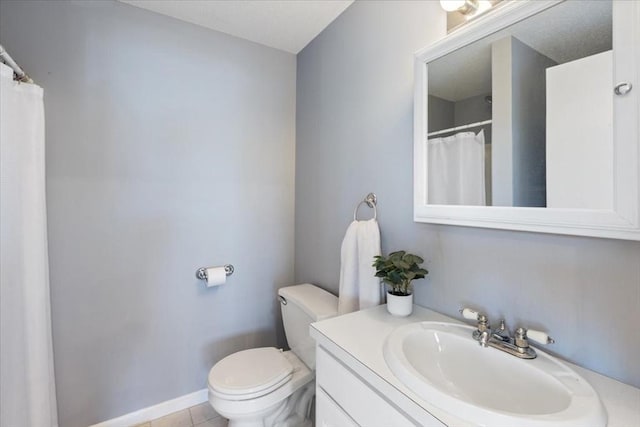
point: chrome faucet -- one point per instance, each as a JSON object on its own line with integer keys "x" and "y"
{"x": 518, "y": 345}
{"x": 484, "y": 338}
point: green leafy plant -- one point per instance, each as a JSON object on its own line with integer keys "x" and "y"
{"x": 398, "y": 270}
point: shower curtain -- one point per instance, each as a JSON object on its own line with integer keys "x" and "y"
{"x": 27, "y": 388}
{"x": 456, "y": 170}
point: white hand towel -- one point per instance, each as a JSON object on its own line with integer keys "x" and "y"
{"x": 359, "y": 288}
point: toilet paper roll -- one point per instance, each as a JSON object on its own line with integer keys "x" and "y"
{"x": 216, "y": 276}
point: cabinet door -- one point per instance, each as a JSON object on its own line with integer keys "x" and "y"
{"x": 572, "y": 129}
{"x": 329, "y": 414}
{"x": 363, "y": 404}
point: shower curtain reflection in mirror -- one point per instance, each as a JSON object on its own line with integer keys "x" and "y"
{"x": 456, "y": 170}
{"x": 27, "y": 388}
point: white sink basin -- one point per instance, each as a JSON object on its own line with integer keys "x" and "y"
{"x": 443, "y": 365}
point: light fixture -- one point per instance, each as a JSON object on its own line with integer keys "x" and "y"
{"x": 465, "y": 7}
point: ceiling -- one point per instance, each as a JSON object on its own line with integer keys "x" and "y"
{"x": 287, "y": 25}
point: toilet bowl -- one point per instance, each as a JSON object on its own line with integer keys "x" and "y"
{"x": 265, "y": 387}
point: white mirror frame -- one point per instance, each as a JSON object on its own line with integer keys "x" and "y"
{"x": 623, "y": 221}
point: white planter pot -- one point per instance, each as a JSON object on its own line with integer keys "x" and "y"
{"x": 400, "y": 306}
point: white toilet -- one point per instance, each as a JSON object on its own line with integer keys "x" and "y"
{"x": 265, "y": 387}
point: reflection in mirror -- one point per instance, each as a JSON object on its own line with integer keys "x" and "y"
{"x": 506, "y": 119}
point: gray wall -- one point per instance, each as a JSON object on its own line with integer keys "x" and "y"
{"x": 519, "y": 121}
{"x": 529, "y": 116}
{"x": 169, "y": 147}
{"x": 354, "y": 135}
{"x": 441, "y": 113}
{"x": 502, "y": 142}
{"x": 474, "y": 109}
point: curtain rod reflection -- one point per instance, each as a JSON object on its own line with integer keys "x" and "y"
{"x": 471, "y": 125}
{"x": 20, "y": 75}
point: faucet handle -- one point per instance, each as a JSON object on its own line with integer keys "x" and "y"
{"x": 540, "y": 337}
{"x": 483, "y": 321}
{"x": 522, "y": 337}
{"x": 469, "y": 314}
{"x": 483, "y": 330}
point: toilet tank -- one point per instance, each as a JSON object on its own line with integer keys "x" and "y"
{"x": 302, "y": 305}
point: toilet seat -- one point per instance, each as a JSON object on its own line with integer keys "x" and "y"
{"x": 249, "y": 374}
{"x": 235, "y": 407}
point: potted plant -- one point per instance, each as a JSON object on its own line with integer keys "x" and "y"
{"x": 398, "y": 270}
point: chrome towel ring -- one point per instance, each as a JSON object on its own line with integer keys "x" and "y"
{"x": 371, "y": 200}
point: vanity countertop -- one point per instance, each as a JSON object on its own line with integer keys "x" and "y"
{"x": 357, "y": 340}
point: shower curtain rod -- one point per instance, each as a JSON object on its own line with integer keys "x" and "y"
{"x": 19, "y": 72}
{"x": 472, "y": 125}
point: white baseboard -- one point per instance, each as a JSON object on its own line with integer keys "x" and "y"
{"x": 157, "y": 411}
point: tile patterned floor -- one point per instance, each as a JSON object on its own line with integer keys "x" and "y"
{"x": 201, "y": 415}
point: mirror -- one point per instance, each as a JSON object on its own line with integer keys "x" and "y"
{"x": 515, "y": 125}
{"x": 519, "y": 80}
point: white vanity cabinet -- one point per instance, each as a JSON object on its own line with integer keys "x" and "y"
{"x": 329, "y": 413}
{"x": 344, "y": 399}
{"x": 355, "y": 387}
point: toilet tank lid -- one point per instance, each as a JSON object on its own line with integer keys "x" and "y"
{"x": 316, "y": 302}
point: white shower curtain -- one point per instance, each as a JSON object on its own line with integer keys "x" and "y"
{"x": 456, "y": 170}
{"x": 27, "y": 388}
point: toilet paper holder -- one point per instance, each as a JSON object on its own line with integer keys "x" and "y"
{"x": 201, "y": 273}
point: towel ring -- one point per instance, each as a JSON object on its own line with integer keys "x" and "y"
{"x": 371, "y": 200}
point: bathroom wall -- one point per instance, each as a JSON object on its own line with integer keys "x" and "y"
{"x": 441, "y": 113}
{"x": 354, "y": 134}
{"x": 169, "y": 147}
{"x": 519, "y": 113}
{"x": 474, "y": 109}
